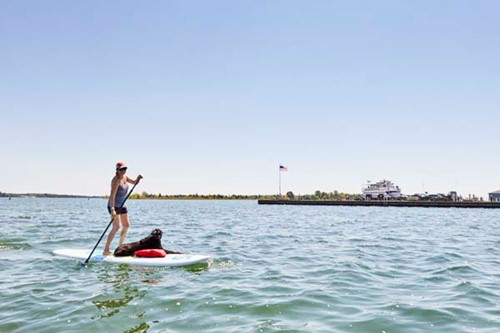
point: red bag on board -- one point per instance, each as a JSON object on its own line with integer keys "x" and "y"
{"x": 150, "y": 253}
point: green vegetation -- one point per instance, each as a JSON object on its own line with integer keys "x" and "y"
{"x": 318, "y": 195}
{"x": 145, "y": 195}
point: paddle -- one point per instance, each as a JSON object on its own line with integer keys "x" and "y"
{"x": 105, "y": 230}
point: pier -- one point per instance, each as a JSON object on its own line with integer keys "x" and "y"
{"x": 385, "y": 203}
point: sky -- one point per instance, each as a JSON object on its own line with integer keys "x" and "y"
{"x": 209, "y": 97}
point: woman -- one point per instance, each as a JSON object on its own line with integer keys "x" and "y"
{"x": 119, "y": 190}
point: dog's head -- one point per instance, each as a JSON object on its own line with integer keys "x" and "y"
{"x": 157, "y": 233}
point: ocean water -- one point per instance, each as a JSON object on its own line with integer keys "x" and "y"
{"x": 274, "y": 269}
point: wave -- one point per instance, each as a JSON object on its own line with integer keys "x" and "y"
{"x": 14, "y": 244}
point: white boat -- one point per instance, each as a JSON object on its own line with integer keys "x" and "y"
{"x": 384, "y": 189}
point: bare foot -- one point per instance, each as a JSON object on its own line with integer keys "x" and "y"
{"x": 106, "y": 253}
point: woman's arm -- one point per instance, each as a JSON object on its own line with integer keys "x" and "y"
{"x": 112, "y": 196}
{"x": 134, "y": 181}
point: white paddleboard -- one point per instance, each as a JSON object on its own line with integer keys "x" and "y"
{"x": 168, "y": 260}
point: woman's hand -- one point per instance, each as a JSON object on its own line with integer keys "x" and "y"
{"x": 138, "y": 179}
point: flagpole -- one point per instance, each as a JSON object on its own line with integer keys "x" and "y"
{"x": 279, "y": 171}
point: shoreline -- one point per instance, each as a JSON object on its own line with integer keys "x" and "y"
{"x": 386, "y": 203}
{"x": 47, "y": 195}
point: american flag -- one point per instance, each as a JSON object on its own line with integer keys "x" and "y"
{"x": 283, "y": 168}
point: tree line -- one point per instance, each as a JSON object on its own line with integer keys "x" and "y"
{"x": 320, "y": 195}
{"x": 196, "y": 196}
{"x": 317, "y": 195}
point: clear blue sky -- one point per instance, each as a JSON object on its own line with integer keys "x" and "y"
{"x": 210, "y": 96}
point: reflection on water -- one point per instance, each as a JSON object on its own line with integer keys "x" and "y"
{"x": 114, "y": 304}
{"x": 123, "y": 293}
{"x": 197, "y": 268}
{"x": 141, "y": 328}
{"x": 129, "y": 285}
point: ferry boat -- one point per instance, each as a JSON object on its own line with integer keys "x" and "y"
{"x": 382, "y": 190}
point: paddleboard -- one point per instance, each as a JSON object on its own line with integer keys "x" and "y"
{"x": 168, "y": 260}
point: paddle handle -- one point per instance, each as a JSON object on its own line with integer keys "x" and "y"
{"x": 105, "y": 230}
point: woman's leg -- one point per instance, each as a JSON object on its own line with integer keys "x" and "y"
{"x": 111, "y": 235}
{"x": 125, "y": 225}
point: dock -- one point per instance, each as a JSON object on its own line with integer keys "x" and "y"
{"x": 384, "y": 203}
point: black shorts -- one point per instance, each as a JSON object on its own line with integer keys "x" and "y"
{"x": 119, "y": 210}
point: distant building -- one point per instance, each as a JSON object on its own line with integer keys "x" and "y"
{"x": 494, "y": 196}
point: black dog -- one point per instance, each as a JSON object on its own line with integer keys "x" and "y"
{"x": 153, "y": 241}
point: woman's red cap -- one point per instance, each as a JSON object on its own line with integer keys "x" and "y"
{"x": 121, "y": 165}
